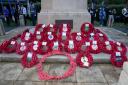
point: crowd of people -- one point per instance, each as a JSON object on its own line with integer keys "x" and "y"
{"x": 107, "y": 16}
{"x": 11, "y": 14}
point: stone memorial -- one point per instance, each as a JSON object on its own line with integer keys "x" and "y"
{"x": 74, "y": 11}
{"x": 21, "y": 20}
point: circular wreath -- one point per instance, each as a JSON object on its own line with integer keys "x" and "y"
{"x": 29, "y": 59}
{"x": 50, "y": 36}
{"x": 87, "y": 28}
{"x": 56, "y": 45}
{"x": 51, "y": 28}
{"x": 70, "y": 46}
{"x": 27, "y": 37}
{"x": 22, "y": 48}
{"x": 78, "y": 38}
{"x": 108, "y": 47}
{"x": 45, "y": 76}
{"x": 64, "y": 28}
{"x": 120, "y": 47}
{"x": 84, "y": 59}
{"x": 95, "y": 47}
{"x": 9, "y": 46}
{"x": 118, "y": 58}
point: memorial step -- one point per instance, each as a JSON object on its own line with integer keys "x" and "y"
{"x": 101, "y": 58}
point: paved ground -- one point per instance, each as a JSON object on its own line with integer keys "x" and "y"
{"x": 15, "y": 74}
{"x": 98, "y": 74}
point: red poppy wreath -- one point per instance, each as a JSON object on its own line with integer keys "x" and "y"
{"x": 84, "y": 59}
{"x": 45, "y": 76}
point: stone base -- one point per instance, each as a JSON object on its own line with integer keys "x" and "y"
{"x": 78, "y": 18}
{"x": 98, "y": 58}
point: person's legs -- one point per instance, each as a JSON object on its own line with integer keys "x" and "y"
{"x": 8, "y": 23}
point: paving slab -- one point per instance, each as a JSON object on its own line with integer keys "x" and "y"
{"x": 30, "y": 74}
{"x": 90, "y": 75}
{"x": 59, "y": 83}
{"x": 10, "y": 71}
{"x": 92, "y": 84}
{"x": 28, "y": 83}
{"x": 6, "y": 82}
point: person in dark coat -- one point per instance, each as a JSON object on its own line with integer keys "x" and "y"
{"x": 33, "y": 13}
{"x": 6, "y": 14}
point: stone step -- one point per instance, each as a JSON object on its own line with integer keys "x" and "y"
{"x": 98, "y": 58}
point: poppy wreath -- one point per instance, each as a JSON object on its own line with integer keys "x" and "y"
{"x": 85, "y": 46}
{"x": 34, "y": 46}
{"x": 38, "y": 35}
{"x": 29, "y": 59}
{"x": 65, "y": 28}
{"x": 56, "y": 45}
{"x": 78, "y": 38}
{"x": 9, "y": 46}
{"x": 50, "y": 36}
{"x": 101, "y": 38}
{"x": 22, "y": 48}
{"x": 40, "y": 27}
{"x": 87, "y": 28}
{"x": 84, "y": 59}
{"x": 108, "y": 47}
{"x": 51, "y": 28}
{"x": 118, "y": 58}
{"x": 70, "y": 46}
{"x": 95, "y": 47}
{"x": 63, "y": 36}
{"x": 27, "y": 37}
{"x": 44, "y": 48}
{"x": 45, "y": 76}
{"x": 120, "y": 47}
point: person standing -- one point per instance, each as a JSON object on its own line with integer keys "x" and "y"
{"x": 111, "y": 18}
{"x": 33, "y": 13}
{"x": 93, "y": 15}
{"x": 102, "y": 16}
{"x": 24, "y": 13}
{"x": 13, "y": 10}
{"x": 6, "y": 15}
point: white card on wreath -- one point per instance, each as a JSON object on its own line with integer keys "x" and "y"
{"x": 87, "y": 43}
{"x": 51, "y": 25}
{"x": 118, "y": 54}
{"x": 27, "y": 34}
{"x": 49, "y": 33}
{"x": 63, "y": 33}
{"x": 64, "y": 25}
{"x": 29, "y": 55}
{"x": 78, "y": 33}
{"x": 13, "y": 42}
{"x": 94, "y": 42}
{"x": 87, "y": 25}
{"x": 44, "y": 43}
{"x": 107, "y": 43}
{"x": 22, "y": 43}
{"x": 35, "y": 42}
{"x": 43, "y": 26}
{"x": 38, "y": 32}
